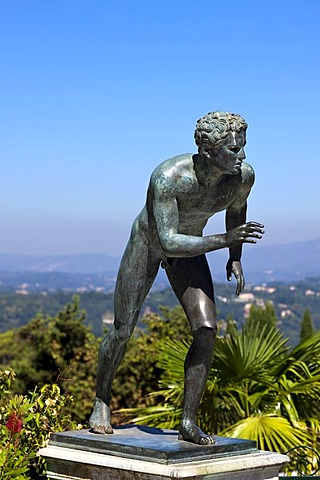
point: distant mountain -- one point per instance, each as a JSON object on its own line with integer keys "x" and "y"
{"x": 293, "y": 261}
{"x": 285, "y": 262}
{"x": 81, "y": 263}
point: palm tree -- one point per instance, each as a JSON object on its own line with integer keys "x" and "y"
{"x": 258, "y": 388}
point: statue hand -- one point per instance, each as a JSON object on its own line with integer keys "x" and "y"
{"x": 246, "y": 233}
{"x": 234, "y": 267}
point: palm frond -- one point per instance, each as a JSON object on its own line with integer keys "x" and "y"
{"x": 271, "y": 432}
{"x": 251, "y": 354}
{"x": 257, "y": 385}
{"x": 165, "y": 416}
{"x": 306, "y": 352}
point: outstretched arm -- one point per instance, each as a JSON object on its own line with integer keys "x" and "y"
{"x": 175, "y": 244}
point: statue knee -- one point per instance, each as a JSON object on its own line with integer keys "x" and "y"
{"x": 206, "y": 335}
{"x": 123, "y": 333}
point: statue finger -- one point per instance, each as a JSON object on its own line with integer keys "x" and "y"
{"x": 256, "y": 224}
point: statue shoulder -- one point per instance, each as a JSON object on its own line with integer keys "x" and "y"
{"x": 247, "y": 174}
{"x": 174, "y": 176}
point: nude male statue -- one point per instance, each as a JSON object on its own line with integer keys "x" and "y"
{"x": 184, "y": 192}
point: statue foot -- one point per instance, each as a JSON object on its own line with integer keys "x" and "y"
{"x": 99, "y": 421}
{"x": 190, "y": 432}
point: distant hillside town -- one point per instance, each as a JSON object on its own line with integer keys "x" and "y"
{"x": 285, "y": 276}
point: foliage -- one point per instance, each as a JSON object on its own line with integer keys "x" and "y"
{"x": 17, "y": 310}
{"x": 25, "y": 424}
{"x": 231, "y": 328}
{"x": 55, "y": 349}
{"x": 61, "y": 348}
{"x": 306, "y": 329}
{"x": 138, "y": 374}
{"x": 258, "y": 388}
{"x": 265, "y": 316}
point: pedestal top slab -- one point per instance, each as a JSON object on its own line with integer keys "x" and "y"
{"x": 150, "y": 444}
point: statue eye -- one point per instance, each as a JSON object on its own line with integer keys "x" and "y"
{"x": 234, "y": 149}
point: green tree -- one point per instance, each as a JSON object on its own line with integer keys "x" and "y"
{"x": 264, "y": 316}
{"x": 55, "y": 349}
{"x": 61, "y": 348}
{"x": 307, "y": 328}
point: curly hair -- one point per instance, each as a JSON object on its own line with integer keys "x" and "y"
{"x": 212, "y": 128}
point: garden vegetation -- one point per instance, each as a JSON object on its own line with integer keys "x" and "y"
{"x": 259, "y": 387}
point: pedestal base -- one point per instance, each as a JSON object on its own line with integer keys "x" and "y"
{"x": 141, "y": 453}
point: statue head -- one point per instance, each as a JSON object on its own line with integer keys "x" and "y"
{"x": 213, "y": 128}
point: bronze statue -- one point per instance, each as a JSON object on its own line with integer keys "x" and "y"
{"x": 184, "y": 192}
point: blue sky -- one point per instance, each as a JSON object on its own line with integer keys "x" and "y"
{"x": 95, "y": 94}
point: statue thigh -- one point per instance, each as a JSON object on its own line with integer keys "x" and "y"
{"x": 136, "y": 275}
{"x": 191, "y": 281}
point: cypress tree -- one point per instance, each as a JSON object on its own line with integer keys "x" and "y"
{"x": 307, "y": 328}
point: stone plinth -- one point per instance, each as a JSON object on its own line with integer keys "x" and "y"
{"x": 138, "y": 452}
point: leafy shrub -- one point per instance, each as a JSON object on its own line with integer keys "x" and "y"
{"x": 26, "y": 422}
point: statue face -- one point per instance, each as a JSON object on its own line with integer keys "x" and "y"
{"x": 229, "y": 155}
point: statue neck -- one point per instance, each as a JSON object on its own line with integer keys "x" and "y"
{"x": 206, "y": 170}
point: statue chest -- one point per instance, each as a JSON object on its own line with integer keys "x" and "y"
{"x": 205, "y": 202}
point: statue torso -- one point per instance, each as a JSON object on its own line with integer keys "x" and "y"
{"x": 197, "y": 199}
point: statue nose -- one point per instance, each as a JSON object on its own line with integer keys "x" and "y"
{"x": 241, "y": 154}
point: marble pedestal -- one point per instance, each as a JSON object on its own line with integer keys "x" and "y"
{"x": 142, "y": 453}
